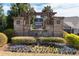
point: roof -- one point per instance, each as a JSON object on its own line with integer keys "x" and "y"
{"x": 69, "y": 24}
{"x": 72, "y": 22}
{"x": 38, "y": 13}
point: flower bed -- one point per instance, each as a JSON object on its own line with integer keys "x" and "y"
{"x": 41, "y": 49}
{"x": 19, "y": 48}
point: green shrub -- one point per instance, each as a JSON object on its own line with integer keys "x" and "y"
{"x": 23, "y": 40}
{"x": 3, "y": 39}
{"x": 65, "y": 33}
{"x": 70, "y": 38}
{"x": 52, "y": 39}
{"x": 9, "y": 33}
{"x": 73, "y": 40}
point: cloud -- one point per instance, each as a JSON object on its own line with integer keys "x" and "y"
{"x": 62, "y": 9}
{"x": 67, "y": 9}
{"x": 39, "y": 6}
{"x": 69, "y": 12}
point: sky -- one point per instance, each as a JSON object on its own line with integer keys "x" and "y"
{"x": 62, "y": 9}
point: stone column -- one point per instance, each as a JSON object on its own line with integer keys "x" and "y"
{"x": 18, "y": 25}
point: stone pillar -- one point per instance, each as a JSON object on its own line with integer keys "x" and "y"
{"x": 19, "y": 25}
{"x": 58, "y": 27}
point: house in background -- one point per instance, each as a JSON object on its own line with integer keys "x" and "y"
{"x": 71, "y": 24}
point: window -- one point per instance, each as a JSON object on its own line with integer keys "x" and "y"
{"x": 18, "y": 22}
{"x": 58, "y": 21}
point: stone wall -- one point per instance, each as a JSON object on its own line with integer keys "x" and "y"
{"x": 50, "y": 29}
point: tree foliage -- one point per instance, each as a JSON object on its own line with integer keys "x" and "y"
{"x": 2, "y": 19}
{"x": 47, "y": 9}
{"x": 16, "y": 10}
{"x": 1, "y": 10}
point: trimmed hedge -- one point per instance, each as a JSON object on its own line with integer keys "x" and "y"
{"x": 23, "y": 40}
{"x": 3, "y": 39}
{"x": 52, "y": 39}
{"x": 31, "y": 40}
